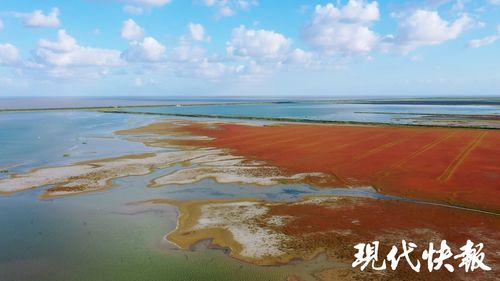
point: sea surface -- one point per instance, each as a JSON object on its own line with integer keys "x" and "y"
{"x": 34, "y": 139}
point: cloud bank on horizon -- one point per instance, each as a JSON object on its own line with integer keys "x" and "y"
{"x": 250, "y": 47}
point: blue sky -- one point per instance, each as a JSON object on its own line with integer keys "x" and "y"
{"x": 249, "y": 47}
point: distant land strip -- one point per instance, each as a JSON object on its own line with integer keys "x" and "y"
{"x": 425, "y": 113}
{"x": 294, "y": 120}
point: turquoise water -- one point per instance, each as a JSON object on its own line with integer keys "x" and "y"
{"x": 95, "y": 237}
{"x": 34, "y": 139}
{"x": 401, "y": 114}
{"x": 99, "y": 236}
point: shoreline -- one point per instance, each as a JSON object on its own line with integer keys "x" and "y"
{"x": 300, "y": 120}
{"x": 442, "y": 120}
{"x": 198, "y": 163}
{"x": 230, "y": 217}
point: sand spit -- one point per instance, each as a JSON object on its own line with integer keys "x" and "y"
{"x": 97, "y": 174}
{"x": 233, "y": 224}
{"x": 233, "y": 171}
{"x": 198, "y": 164}
{"x": 271, "y": 233}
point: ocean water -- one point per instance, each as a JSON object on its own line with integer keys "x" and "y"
{"x": 383, "y": 113}
{"x": 34, "y": 139}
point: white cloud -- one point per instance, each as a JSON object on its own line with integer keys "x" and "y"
{"x": 494, "y": 2}
{"x": 299, "y": 56}
{"x": 148, "y": 50}
{"x": 188, "y": 53}
{"x": 8, "y": 54}
{"x": 343, "y": 30}
{"x": 476, "y": 43}
{"x": 258, "y": 44}
{"x": 353, "y": 11}
{"x": 212, "y": 71}
{"x": 227, "y": 8}
{"x": 66, "y": 52}
{"x": 196, "y": 31}
{"x": 252, "y": 71}
{"x": 38, "y": 19}
{"x": 425, "y": 27}
{"x": 131, "y": 30}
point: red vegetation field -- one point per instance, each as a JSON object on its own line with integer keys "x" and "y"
{"x": 341, "y": 225}
{"x": 457, "y": 166}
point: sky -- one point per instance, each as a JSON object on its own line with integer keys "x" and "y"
{"x": 249, "y": 48}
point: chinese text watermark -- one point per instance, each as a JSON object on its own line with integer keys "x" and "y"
{"x": 471, "y": 256}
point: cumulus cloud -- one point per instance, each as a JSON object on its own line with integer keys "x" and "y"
{"x": 257, "y": 44}
{"x": 196, "y": 31}
{"x": 38, "y": 19}
{"x": 424, "y": 27}
{"x": 188, "y": 53}
{"x": 8, "y": 54}
{"x": 131, "y": 30}
{"x": 342, "y": 30}
{"x": 210, "y": 70}
{"x": 65, "y": 51}
{"x": 476, "y": 43}
{"x": 227, "y": 8}
{"x": 147, "y": 50}
{"x": 299, "y": 56}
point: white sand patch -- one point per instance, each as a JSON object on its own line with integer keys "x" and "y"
{"x": 219, "y": 160}
{"x": 257, "y": 242}
{"x": 42, "y": 177}
{"x": 258, "y": 175}
{"x": 96, "y": 174}
{"x": 278, "y": 220}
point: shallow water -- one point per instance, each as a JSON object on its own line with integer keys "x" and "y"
{"x": 34, "y": 139}
{"x": 99, "y": 236}
{"x": 399, "y": 114}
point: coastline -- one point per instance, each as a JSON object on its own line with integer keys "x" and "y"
{"x": 197, "y": 163}
{"x": 303, "y": 234}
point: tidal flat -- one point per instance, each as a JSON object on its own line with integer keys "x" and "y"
{"x": 205, "y": 200}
